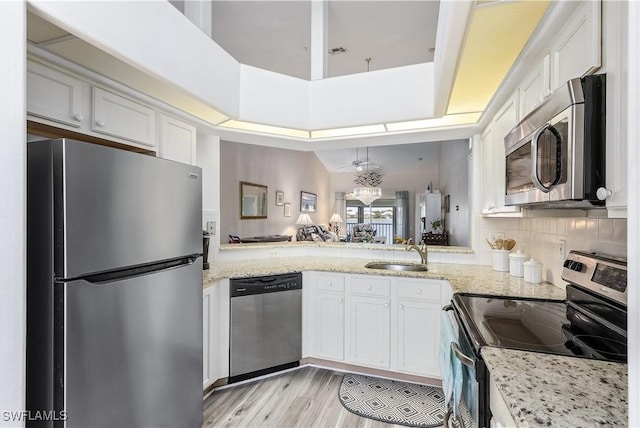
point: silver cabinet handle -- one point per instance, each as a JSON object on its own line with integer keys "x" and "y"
{"x": 386, "y": 305}
{"x": 340, "y": 300}
{"x": 400, "y": 306}
{"x": 78, "y": 117}
{"x": 467, "y": 361}
{"x": 100, "y": 123}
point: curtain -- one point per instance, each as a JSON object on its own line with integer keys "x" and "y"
{"x": 402, "y": 214}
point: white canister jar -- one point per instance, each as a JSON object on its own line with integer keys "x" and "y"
{"x": 500, "y": 259}
{"x": 533, "y": 271}
{"x": 516, "y": 263}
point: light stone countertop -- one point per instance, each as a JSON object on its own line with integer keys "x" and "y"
{"x": 340, "y": 245}
{"x": 559, "y": 391}
{"x": 462, "y": 277}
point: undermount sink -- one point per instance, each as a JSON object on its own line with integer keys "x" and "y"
{"x": 396, "y": 266}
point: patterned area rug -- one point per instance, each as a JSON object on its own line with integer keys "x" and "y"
{"x": 392, "y": 401}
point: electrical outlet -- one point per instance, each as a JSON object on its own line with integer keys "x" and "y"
{"x": 562, "y": 246}
{"x": 211, "y": 227}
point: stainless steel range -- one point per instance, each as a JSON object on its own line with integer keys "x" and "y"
{"x": 590, "y": 323}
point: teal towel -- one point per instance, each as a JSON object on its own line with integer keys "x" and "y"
{"x": 450, "y": 366}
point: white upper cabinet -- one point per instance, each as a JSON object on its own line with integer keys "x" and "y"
{"x": 577, "y": 50}
{"x": 492, "y": 156}
{"x": 535, "y": 88}
{"x": 53, "y": 95}
{"x": 123, "y": 118}
{"x": 177, "y": 140}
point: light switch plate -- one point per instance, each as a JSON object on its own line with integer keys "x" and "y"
{"x": 211, "y": 227}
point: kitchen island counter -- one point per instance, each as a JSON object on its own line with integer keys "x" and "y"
{"x": 462, "y": 277}
{"x": 559, "y": 391}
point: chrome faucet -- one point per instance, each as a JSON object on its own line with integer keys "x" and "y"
{"x": 421, "y": 249}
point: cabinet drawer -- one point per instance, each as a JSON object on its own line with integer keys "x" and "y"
{"x": 371, "y": 286}
{"x": 330, "y": 282}
{"x": 423, "y": 290}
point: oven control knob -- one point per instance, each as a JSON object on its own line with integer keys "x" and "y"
{"x": 577, "y": 266}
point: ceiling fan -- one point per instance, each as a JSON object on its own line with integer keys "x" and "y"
{"x": 361, "y": 164}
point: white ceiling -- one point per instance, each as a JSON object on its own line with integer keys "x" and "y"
{"x": 387, "y": 158}
{"x": 276, "y": 35}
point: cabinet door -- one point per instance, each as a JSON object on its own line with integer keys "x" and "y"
{"x": 120, "y": 117}
{"x": 177, "y": 140}
{"x": 418, "y": 337}
{"x": 577, "y": 51}
{"x": 329, "y": 325}
{"x": 493, "y": 159}
{"x": 369, "y": 331}
{"x": 535, "y": 88}
{"x": 207, "y": 368}
{"x": 53, "y": 95}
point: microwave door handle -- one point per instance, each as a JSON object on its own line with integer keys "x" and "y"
{"x": 534, "y": 159}
{"x": 558, "y": 136}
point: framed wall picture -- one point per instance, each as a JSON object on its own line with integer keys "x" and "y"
{"x": 279, "y": 198}
{"x": 287, "y": 209}
{"x": 308, "y": 202}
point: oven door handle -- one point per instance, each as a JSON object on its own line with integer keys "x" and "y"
{"x": 464, "y": 359}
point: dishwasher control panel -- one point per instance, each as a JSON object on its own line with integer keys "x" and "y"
{"x": 265, "y": 284}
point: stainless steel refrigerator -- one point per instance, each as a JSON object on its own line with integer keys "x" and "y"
{"x": 114, "y": 288}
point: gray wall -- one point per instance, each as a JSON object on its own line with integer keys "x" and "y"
{"x": 454, "y": 181}
{"x": 288, "y": 170}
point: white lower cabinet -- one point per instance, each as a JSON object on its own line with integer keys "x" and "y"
{"x": 418, "y": 336}
{"x": 215, "y": 332}
{"x": 500, "y": 414}
{"x": 383, "y": 322}
{"x": 329, "y": 325}
{"x": 369, "y": 331}
{"x": 207, "y": 361}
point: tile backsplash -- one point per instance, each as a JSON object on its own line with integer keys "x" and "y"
{"x": 541, "y": 239}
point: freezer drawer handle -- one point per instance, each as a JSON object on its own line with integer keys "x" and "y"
{"x": 469, "y": 362}
{"x": 117, "y": 275}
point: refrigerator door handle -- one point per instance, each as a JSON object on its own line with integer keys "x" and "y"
{"x": 118, "y": 275}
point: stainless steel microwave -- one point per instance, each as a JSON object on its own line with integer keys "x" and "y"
{"x": 555, "y": 156}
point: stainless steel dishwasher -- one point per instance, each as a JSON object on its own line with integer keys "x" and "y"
{"x": 266, "y": 325}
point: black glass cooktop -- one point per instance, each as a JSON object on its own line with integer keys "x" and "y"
{"x": 553, "y": 327}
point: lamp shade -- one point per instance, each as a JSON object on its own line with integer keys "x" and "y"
{"x": 335, "y": 218}
{"x": 304, "y": 219}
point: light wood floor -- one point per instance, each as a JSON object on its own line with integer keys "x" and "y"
{"x": 306, "y": 397}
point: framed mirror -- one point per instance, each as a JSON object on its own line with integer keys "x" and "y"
{"x": 253, "y": 201}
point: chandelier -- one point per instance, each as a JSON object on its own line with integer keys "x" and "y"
{"x": 367, "y": 195}
{"x": 369, "y": 181}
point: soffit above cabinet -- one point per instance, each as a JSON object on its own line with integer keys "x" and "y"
{"x": 398, "y": 111}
